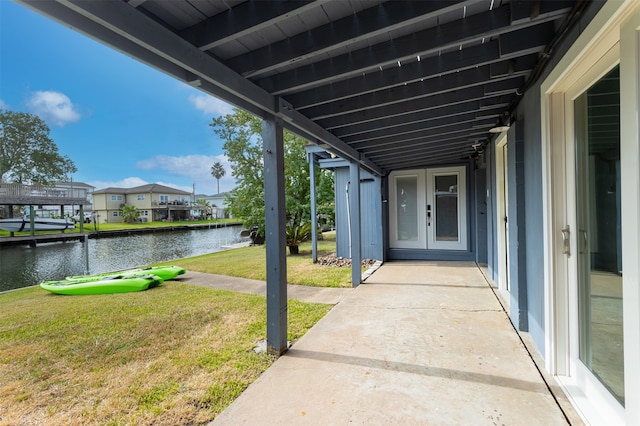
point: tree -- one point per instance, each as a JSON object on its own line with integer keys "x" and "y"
{"x": 206, "y": 205}
{"x": 242, "y": 136}
{"x": 217, "y": 171}
{"x": 130, "y": 214}
{"x": 27, "y": 154}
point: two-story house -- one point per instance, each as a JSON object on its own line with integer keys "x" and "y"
{"x": 154, "y": 202}
{"x": 218, "y": 205}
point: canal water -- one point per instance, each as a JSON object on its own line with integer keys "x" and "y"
{"x": 22, "y": 266}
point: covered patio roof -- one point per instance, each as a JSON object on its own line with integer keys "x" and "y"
{"x": 385, "y": 84}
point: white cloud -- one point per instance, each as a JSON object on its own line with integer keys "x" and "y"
{"x": 210, "y": 105}
{"x": 196, "y": 167}
{"x": 3, "y": 105}
{"x": 53, "y": 107}
{"x": 129, "y": 182}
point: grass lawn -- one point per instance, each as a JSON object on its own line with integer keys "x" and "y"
{"x": 250, "y": 262}
{"x": 175, "y": 354}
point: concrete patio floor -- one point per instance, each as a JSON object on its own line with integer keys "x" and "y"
{"x": 418, "y": 343}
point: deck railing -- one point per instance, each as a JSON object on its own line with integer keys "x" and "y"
{"x": 19, "y": 190}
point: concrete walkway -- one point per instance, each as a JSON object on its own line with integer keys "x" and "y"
{"x": 329, "y": 296}
{"x": 419, "y": 343}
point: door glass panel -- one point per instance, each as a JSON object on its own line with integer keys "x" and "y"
{"x": 446, "y": 207}
{"x": 407, "y": 208}
{"x": 597, "y": 120}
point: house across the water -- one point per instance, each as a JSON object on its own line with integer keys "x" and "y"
{"x": 154, "y": 202}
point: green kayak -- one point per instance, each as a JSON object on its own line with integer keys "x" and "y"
{"x": 165, "y": 272}
{"x": 102, "y": 285}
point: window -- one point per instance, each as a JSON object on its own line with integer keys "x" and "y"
{"x": 140, "y": 197}
{"x": 115, "y": 214}
{"x": 116, "y": 198}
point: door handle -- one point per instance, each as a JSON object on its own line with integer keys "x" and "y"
{"x": 583, "y": 241}
{"x": 566, "y": 241}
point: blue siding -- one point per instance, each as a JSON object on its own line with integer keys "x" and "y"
{"x": 342, "y": 225}
{"x": 481, "y": 216}
{"x": 534, "y": 223}
{"x": 517, "y": 216}
{"x": 371, "y": 215}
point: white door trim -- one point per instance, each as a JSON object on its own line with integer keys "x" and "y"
{"x": 501, "y": 215}
{"x": 630, "y": 206}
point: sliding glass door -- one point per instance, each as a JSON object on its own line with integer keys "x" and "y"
{"x": 598, "y": 239}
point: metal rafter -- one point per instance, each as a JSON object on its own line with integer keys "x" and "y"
{"x": 243, "y": 19}
{"x": 418, "y": 71}
{"x": 425, "y": 43}
{"x": 362, "y": 25}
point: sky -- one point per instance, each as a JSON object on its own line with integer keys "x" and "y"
{"x": 120, "y": 121}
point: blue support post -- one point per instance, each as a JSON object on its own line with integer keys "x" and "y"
{"x": 275, "y": 235}
{"x": 314, "y": 214}
{"x": 354, "y": 217}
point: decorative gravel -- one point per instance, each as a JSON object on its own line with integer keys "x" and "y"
{"x": 342, "y": 262}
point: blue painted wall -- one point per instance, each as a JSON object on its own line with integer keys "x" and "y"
{"x": 481, "y": 216}
{"x": 371, "y": 215}
{"x": 534, "y": 224}
{"x": 525, "y": 171}
{"x": 517, "y": 216}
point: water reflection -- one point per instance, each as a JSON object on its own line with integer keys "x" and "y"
{"x": 22, "y": 266}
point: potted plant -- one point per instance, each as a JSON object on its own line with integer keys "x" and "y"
{"x": 296, "y": 234}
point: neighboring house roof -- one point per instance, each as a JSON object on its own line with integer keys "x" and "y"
{"x": 110, "y": 190}
{"x": 152, "y": 187}
{"x": 220, "y": 195}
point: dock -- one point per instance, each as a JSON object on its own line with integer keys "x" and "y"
{"x": 34, "y": 240}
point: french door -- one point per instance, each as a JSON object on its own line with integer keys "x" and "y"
{"x": 428, "y": 209}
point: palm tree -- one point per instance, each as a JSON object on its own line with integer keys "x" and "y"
{"x": 130, "y": 214}
{"x": 207, "y": 206}
{"x": 217, "y": 171}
